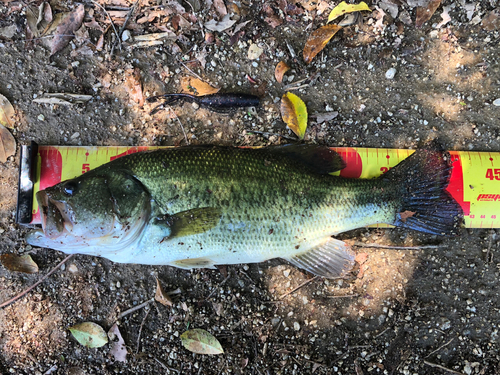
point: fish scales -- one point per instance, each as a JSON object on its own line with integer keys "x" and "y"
{"x": 268, "y": 202}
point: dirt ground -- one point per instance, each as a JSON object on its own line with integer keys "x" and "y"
{"x": 421, "y": 311}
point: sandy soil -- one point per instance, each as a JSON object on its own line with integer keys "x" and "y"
{"x": 405, "y": 312}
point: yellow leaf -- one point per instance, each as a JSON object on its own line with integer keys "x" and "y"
{"x": 294, "y": 114}
{"x": 318, "y": 40}
{"x": 197, "y": 87}
{"x": 344, "y": 8}
{"x": 6, "y": 112}
{"x": 280, "y": 71}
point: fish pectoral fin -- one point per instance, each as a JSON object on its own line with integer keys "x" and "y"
{"x": 185, "y": 223}
{"x": 331, "y": 259}
{"x": 193, "y": 263}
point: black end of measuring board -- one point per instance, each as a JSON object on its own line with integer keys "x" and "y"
{"x": 27, "y": 177}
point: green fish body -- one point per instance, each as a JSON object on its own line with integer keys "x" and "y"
{"x": 202, "y": 206}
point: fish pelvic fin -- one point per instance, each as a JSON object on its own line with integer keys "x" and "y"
{"x": 193, "y": 263}
{"x": 426, "y": 205}
{"x": 332, "y": 259}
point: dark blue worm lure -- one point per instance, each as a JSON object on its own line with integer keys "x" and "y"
{"x": 216, "y": 102}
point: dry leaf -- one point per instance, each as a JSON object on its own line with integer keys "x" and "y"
{"x": 254, "y": 51}
{"x": 280, "y": 71}
{"x": 161, "y": 296}
{"x": 19, "y": 263}
{"x": 220, "y": 7}
{"x": 66, "y": 29}
{"x": 133, "y": 85}
{"x": 406, "y": 214}
{"x": 118, "y": 349}
{"x": 7, "y": 112}
{"x": 492, "y": 20}
{"x": 225, "y": 24}
{"x": 8, "y": 32}
{"x": 445, "y": 17}
{"x": 344, "y": 8}
{"x": 325, "y": 116}
{"x": 200, "y": 341}
{"x": 7, "y": 144}
{"x": 294, "y": 114}
{"x": 197, "y": 87}
{"x": 318, "y": 40}
{"x": 424, "y": 14}
{"x": 89, "y": 334}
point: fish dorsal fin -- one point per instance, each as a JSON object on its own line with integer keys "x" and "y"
{"x": 186, "y": 223}
{"x": 331, "y": 259}
{"x": 319, "y": 159}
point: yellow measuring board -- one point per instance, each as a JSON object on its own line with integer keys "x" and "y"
{"x": 474, "y": 183}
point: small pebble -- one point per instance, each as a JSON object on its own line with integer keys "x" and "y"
{"x": 296, "y": 326}
{"x": 286, "y": 273}
{"x": 75, "y": 135}
{"x": 497, "y": 102}
{"x": 126, "y": 35}
{"x": 390, "y": 73}
{"x": 195, "y": 105}
{"x": 41, "y": 117}
{"x": 73, "y": 268}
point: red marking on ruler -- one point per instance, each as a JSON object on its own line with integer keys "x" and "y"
{"x": 456, "y": 185}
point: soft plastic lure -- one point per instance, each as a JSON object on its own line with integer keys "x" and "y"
{"x": 216, "y": 102}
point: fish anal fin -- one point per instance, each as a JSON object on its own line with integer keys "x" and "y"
{"x": 194, "y": 263}
{"x": 331, "y": 259}
{"x": 195, "y": 221}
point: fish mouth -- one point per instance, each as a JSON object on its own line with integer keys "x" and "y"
{"x": 53, "y": 215}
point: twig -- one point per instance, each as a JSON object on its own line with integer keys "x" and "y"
{"x": 441, "y": 347}
{"x": 442, "y": 368}
{"x": 135, "y": 308}
{"x": 381, "y": 333}
{"x": 122, "y": 29}
{"x": 344, "y": 296}
{"x": 166, "y": 367}
{"x": 193, "y": 73}
{"x": 271, "y": 134}
{"x": 375, "y": 245}
{"x": 107, "y": 14}
{"x": 6, "y": 303}
{"x": 180, "y": 123}
{"x": 300, "y": 286}
{"x": 140, "y": 331}
{"x": 489, "y": 248}
{"x": 221, "y": 284}
{"x": 292, "y": 87}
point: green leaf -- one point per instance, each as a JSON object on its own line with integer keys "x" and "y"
{"x": 89, "y": 334}
{"x": 344, "y": 8}
{"x": 200, "y": 341}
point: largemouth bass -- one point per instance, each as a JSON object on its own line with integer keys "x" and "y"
{"x": 198, "y": 207}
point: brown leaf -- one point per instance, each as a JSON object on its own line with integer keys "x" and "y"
{"x": 361, "y": 258}
{"x": 424, "y": 14}
{"x": 220, "y": 7}
{"x": 19, "y": 263}
{"x": 133, "y": 85}
{"x": 294, "y": 114}
{"x": 406, "y": 214}
{"x": 118, "y": 349}
{"x": 197, "y": 87}
{"x": 492, "y": 20}
{"x": 66, "y": 29}
{"x": 161, "y": 296}
{"x": 318, "y": 40}
{"x": 280, "y": 71}
{"x": 7, "y": 144}
{"x": 7, "y": 112}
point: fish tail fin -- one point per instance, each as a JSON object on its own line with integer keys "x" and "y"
{"x": 426, "y": 205}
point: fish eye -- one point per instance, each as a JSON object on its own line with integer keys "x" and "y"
{"x": 70, "y": 188}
